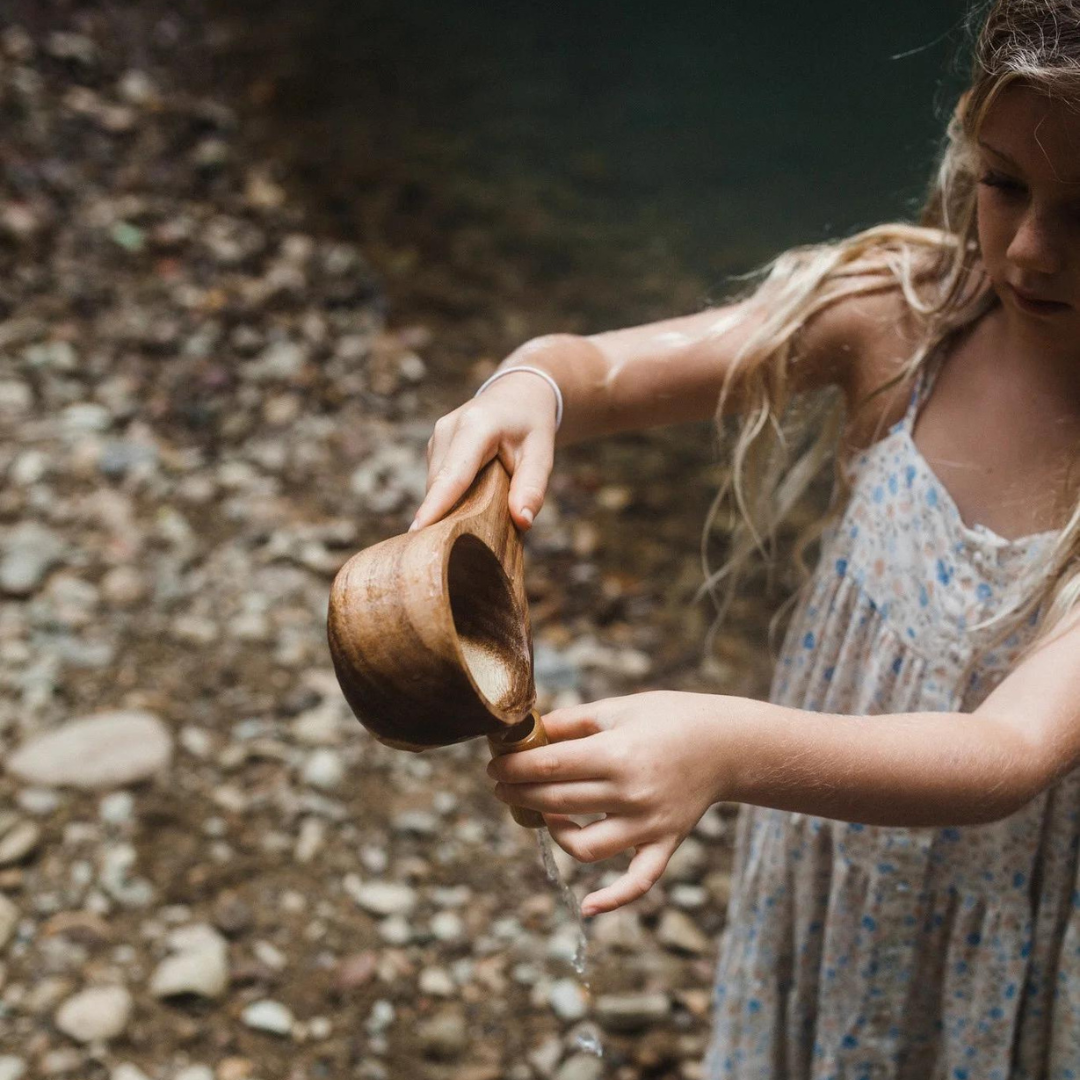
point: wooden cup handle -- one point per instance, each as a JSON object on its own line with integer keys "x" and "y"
{"x": 524, "y": 736}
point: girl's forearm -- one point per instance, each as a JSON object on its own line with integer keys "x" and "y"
{"x": 913, "y": 769}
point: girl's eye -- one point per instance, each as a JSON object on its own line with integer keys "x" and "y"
{"x": 1005, "y": 184}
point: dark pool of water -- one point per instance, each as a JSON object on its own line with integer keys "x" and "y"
{"x": 577, "y": 165}
{"x": 770, "y": 123}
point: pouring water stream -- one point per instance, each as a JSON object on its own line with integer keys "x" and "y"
{"x": 588, "y": 1035}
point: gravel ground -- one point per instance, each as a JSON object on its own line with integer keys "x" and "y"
{"x": 209, "y": 399}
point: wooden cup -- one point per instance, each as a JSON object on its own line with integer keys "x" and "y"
{"x": 429, "y": 631}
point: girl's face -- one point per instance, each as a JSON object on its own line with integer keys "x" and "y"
{"x": 1029, "y": 211}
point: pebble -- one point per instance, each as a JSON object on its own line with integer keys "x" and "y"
{"x": 38, "y": 801}
{"x": 448, "y": 926}
{"x": 269, "y": 1016}
{"x": 201, "y": 970}
{"x": 380, "y": 1018}
{"x": 126, "y": 1071}
{"x": 235, "y": 1068}
{"x": 567, "y": 1000}
{"x": 688, "y": 862}
{"x": 310, "y": 841}
{"x": 678, "y": 931}
{"x": 437, "y": 982}
{"x": 416, "y": 823}
{"x": 689, "y": 897}
{"x": 580, "y": 1067}
{"x": 117, "y": 808}
{"x": 324, "y": 769}
{"x": 631, "y": 1012}
{"x": 9, "y": 919}
{"x": 11, "y": 1067}
{"x": 395, "y": 930}
{"x": 195, "y": 1072}
{"x": 383, "y": 897}
{"x": 28, "y": 553}
{"x": 96, "y": 1014}
{"x": 123, "y": 586}
{"x": 270, "y": 955}
{"x": 443, "y": 1036}
{"x": 18, "y": 842}
{"x": 545, "y": 1058}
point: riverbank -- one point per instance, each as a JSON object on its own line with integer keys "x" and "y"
{"x": 220, "y": 379}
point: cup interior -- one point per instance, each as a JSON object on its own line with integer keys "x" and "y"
{"x": 490, "y": 627}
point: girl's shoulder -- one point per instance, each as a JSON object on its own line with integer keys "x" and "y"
{"x": 868, "y": 337}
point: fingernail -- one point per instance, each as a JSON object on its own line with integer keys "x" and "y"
{"x": 414, "y": 526}
{"x": 527, "y": 516}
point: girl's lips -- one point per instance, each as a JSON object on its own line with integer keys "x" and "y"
{"x": 1031, "y": 303}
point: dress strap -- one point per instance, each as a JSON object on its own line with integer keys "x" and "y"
{"x": 920, "y": 392}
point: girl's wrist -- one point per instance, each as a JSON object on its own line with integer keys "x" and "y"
{"x": 536, "y": 372}
{"x": 579, "y": 369}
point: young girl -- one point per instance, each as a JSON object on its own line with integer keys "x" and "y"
{"x": 906, "y": 901}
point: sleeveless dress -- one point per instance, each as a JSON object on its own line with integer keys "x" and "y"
{"x": 859, "y": 952}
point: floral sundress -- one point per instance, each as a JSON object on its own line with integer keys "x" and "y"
{"x": 859, "y": 952}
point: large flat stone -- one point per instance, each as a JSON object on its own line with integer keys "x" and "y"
{"x": 107, "y": 750}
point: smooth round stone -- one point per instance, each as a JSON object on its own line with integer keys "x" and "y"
{"x": 385, "y": 898}
{"x": 324, "y": 769}
{"x": 97, "y": 1014}
{"x": 269, "y": 1016}
{"x": 581, "y": 1067}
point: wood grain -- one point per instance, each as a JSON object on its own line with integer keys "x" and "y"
{"x": 429, "y": 631}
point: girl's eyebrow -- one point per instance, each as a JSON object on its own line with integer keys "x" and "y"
{"x": 993, "y": 150}
{"x": 1009, "y": 161}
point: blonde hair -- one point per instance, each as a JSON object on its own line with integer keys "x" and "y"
{"x": 780, "y": 444}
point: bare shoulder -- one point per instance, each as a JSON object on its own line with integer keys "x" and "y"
{"x": 860, "y": 343}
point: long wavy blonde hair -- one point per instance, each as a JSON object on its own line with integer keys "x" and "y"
{"x": 779, "y": 445}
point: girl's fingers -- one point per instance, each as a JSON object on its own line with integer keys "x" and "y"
{"x": 581, "y": 797}
{"x": 528, "y": 482}
{"x": 642, "y": 874}
{"x": 575, "y": 722}
{"x": 559, "y": 762}
{"x": 595, "y": 841}
{"x": 451, "y": 480}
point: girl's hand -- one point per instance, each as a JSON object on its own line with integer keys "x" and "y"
{"x": 651, "y": 762}
{"x": 513, "y": 419}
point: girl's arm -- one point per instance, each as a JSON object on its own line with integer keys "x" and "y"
{"x": 672, "y": 371}
{"x": 654, "y": 762}
{"x": 645, "y": 376}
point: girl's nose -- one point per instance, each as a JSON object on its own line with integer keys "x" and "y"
{"x": 1033, "y": 247}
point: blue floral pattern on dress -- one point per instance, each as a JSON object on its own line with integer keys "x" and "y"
{"x": 860, "y": 952}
